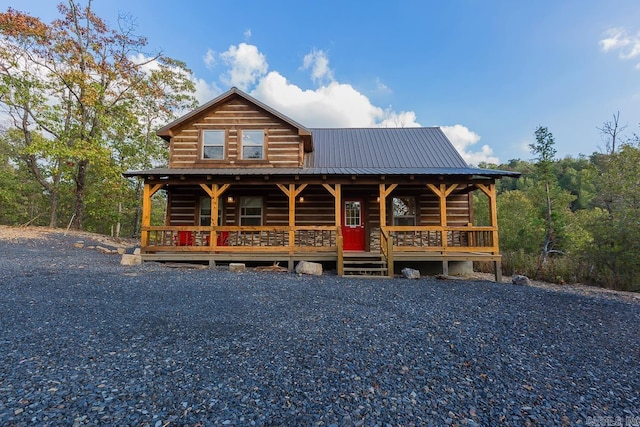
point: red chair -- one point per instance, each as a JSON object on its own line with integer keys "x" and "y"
{"x": 223, "y": 238}
{"x": 185, "y": 238}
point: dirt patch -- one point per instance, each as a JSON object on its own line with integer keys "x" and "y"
{"x": 576, "y": 288}
{"x": 43, "y": 233}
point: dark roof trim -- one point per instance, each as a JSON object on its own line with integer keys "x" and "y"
{"x": 493, "y": 173}
{"x": 165, "y": 132}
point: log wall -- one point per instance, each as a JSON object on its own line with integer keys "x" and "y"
{"x": 283, "y": 145}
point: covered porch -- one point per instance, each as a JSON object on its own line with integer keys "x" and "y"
{"x": 321, "y": 220}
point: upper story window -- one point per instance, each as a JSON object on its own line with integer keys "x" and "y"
{"x": 213, "y": 144}
{"x": 404, "y": 211}
{"x": 252, "y": 144}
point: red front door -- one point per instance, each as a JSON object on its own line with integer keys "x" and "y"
{"x": 353, "y": 225}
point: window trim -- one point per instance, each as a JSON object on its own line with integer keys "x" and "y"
{"x": 225, "y": 136}
{"x": 242, "y": 145}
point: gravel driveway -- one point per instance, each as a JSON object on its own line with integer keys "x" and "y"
{"x": 85, "y": 341}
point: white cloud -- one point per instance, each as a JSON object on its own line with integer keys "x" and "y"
{"x": 331, "y": 104}
{"x": 619, "y": 39}
{"x": 318, "y": 62}
{"x": 246, "y": 65}
{"x": 462, "y": 138}
{"x": 247, "y": 34}
{"x": 381, "y": 87}
{"x": 209, "y": 59}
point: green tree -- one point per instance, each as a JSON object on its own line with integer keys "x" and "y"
{"x": 614, "y": 255}
{"x": 544, "y": 149}
{"x": 78, "y": 83}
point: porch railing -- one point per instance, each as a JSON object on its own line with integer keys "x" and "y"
{"x": 239, "y": 238}
{"x": 315, "y": 239}
{"x": 443, "y": 238}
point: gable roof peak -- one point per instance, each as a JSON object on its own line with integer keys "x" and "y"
{"x": 166, "y": 132}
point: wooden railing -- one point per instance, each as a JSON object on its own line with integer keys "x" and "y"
{"x": 237, "y": 238}
{"x": 291, "y": 239}
{"x": 386, "y": 248}
{"x": 443, "y": 239}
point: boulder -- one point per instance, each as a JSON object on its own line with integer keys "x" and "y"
{"x": 306, "y": 267}
{"x": 128, "y": 259}
{"x": 122, "y": 251}
{"x": 236, "y": 266}
{"x": 519, "y": 279}
{"x": 410, "y": 273}
{"x": 136, "y": 251}
{"x": 79, "y": 244}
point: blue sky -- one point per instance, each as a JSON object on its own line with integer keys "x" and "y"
{"x": 488, "y": 72}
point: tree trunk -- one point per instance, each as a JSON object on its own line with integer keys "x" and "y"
{"x": 81, "y": 178}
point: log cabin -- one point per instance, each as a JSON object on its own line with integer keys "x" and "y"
{"x": 245, "y": 183}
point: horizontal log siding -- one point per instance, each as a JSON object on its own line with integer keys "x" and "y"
{"x": 283, "y": 147}
{"x": 182, "y": 210}
{"x": 458, "y": 210}
{"x": 429, "y": 209}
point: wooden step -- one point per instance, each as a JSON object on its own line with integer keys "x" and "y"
{"x": 365, "y": 265}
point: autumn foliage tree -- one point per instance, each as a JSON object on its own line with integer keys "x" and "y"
{"x": 84, "y": 97}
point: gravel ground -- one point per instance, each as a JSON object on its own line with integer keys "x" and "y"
{"x": 85, "y": 341}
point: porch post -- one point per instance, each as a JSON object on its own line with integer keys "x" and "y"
{"x": 383, "y": 193}
{"x": 490, "y": 191}
{"x": 336, "y": 192}
{"x": 148, "y": 191}
{"x": 214, "y": 192}
{"x": 292, "y": 192}
{"x": 442, "y": 192}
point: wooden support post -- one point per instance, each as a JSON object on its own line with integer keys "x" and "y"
{"x": 214, "y": 192}
{"x": 147, "y": 193}
{"x": 442, "y": 192}
{"x": 292, "y": 192}
{"x": 336, "y": 192}
{"x": 384, "y": 192}
{"x": 490, "y": 191}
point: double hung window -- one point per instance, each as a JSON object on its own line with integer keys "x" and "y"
{"x": 213, "y": 144}
{"x": 252, "y": 145}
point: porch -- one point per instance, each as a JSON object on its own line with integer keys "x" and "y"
{"x": 320, "y": 244}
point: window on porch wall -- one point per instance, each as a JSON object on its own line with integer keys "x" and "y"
{"x": 404, "y": 211}
{"x": 205, "y": 211}
{"x": 251, "y": 211}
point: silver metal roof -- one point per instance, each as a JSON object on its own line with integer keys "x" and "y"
{"x": 383, "y": 148}
{"x": 345, "y": 171}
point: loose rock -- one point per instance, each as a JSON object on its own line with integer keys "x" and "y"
{"x": 306, "y": 267}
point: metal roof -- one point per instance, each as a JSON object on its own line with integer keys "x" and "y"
{"x": 403, "y": 148}
{"x": 344, "y": 171}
